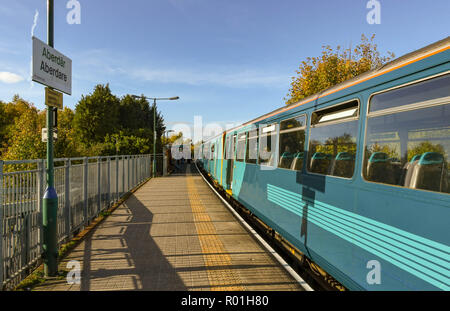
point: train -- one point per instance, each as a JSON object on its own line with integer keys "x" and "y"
{"x": 356, "y": 177}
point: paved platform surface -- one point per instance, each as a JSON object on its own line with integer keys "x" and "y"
{"x": 174, "y": 234}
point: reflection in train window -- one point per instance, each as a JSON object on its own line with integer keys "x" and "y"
{"x": 230, "y": 147}
{"x": 432, "y": 89}
{"x": 252, "y": 147}
{"x": 410, "y": 148}
{"x": 240, "y": 152}
{"x": 267, "y": 145}
{"x": 332, "y": 143}
{"x": 292, "y": 143}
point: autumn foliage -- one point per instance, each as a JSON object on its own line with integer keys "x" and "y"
{"x": 317, "y": 74}
{"x": 101, "y": 124}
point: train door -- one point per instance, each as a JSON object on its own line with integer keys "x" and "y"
{"x": 239, "y": 163}
{"x": 207, "y": 151}
{"x": 222, "y": 157}
{"x": 212, "y": 159}
{"x": 230, "y": 159}
{"x": 213, "y": 169}
{"x": 226, "y": 162}
{"x": 217, "y": 160}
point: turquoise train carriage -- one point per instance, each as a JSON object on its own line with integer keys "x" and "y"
{"x": 356, "y": 177}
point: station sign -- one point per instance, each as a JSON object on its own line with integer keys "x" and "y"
{"x": 53, "y": 98}
{"x": 51, "y": 68}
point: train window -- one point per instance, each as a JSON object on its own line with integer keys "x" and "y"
{"x": 233, "y": 146}
{"x": 335, "y": 113}
{"x": 409, "y": 148}
{"x": 292, "y": 143}
{"x": 252, "y": 147}
{"x": 431, "y": 89}
{"x": 332, "y": 143}
{"x": 240, "y": 151}
{"x": 267, "y": 145}
{"x": 212, "y": 152}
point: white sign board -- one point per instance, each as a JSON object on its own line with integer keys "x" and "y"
{"x": 51, "y": 68}
{"x": 45, "y": 135}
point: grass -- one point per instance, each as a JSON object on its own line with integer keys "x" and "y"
{"x": 66, "y": 248}
{"x": 35, "y": 278}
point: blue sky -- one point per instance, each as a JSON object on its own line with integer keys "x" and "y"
{"x": 229, "y": 61}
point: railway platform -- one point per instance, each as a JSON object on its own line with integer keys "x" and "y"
{"x": 173, "y": 234}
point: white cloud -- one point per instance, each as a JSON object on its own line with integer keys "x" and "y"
{"x": 231, "y": 79}
{"x": 9, "y": 77}
{"x": 102, "y": 62}
{"x": 35, "y": 19}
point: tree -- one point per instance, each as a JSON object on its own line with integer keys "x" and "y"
{"x": 137, "y": 113}
{"x": 425, "y": 146}
{"x": 172, "y": 138}
{"x": 102, "y": 124}
{"x": 24, "y": 141}
{"x": 106, "y": 125}
{"x": 9, "y": 115}
{"x": 66, "y": 145}
{"x": 136, "y": 122}
{"x": 131, "y": 142}
{"x": 96, "y": 115}
{"x": 317, "y": 74}
{"x": 335, "y": 145}
{"x": 4, "y": 122}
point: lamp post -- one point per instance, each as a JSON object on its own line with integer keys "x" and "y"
{"x": 154, "y": 124}
{"x": 167, "y": 132}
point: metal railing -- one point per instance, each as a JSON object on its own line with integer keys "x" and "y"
{"x": 85, "y": 188}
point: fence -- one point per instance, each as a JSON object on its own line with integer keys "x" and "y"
{"x": 85, "y": 188}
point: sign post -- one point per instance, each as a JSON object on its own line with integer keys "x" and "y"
{"x": 50, "y": 200}
{"x": 54, "y": 70}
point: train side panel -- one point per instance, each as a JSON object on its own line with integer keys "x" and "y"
{"x": 349, "y": 226}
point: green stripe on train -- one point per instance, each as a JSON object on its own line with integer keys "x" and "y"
{"x": 353, "y": 227}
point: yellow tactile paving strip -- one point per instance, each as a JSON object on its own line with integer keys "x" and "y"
{"x": 214, "y": 253}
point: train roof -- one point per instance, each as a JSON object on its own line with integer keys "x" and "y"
{"x": 432, "y": 49}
